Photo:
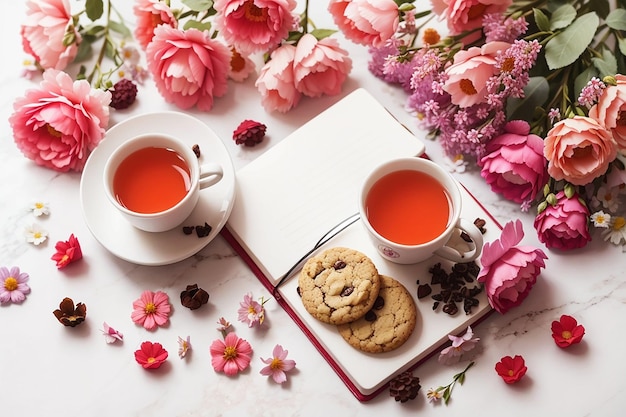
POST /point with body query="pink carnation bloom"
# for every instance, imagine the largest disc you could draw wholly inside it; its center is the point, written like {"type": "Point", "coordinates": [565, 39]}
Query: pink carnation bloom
{"type": "Point", "coordinates": [152, 309]}
{"type": "Point", "coordinates": [610, 111]}
{"type": "Point", "coordinates": [44, 31]}
{"type": "Point", "coordinates": [514, 165]}
{"type": "Point", "coordinates": [578, 150]}
{"type": "Point", "coordinates": [320, 67]}
{"type": "Point", "coordinates": [150, 14]}
{"type": "Point", "coordinates": [276, 81]}
{"type": "Point", "coordinates": [231, 355]}
{"type": "Point", "coordinates": [278, 365]}
{"type": "Point", "coordinates": [255, 25]}
{"type": "Point", "coordinates": [61, 122]}
{"type": "Point", "coordinates": [467, 77]}
{"type": "Point", "coordinates": [565, 224]}
{"type": "Point", "coordinates": [188, 67]}
{"type": "Point", "coordinates": [463, 15]}
{"type": "Point", "coordinates": [509, 271]}
{"type": "Point", "coordinates": [366, 22]}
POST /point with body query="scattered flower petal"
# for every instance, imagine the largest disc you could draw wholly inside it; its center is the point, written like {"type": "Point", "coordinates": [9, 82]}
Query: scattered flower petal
{"type": "Point", "coordinates": [184, 346]}
{"type": "Point", "coordinates": [231, 355]}
{"type": "Point", "coordinates": [511, 369]}
{"type": "Point", "coordinates": [151, 355]}
{"type": "Point", "coordinates": [152, 309]}
{"type": "Point", "coordinates": [40, 208]}
{"type": "Point", "coordinates": [460, 345]}
{"type": "Point", "coordinates": [251, 312]}
{"type": "Point", "coordinates": [68, 315]}
{"type": "Point", "coordinates": [110, 334]}
{"type": "Point", "coordinates": [278, 365]}
{"type": "Point", "coordinates": [67, 252]}
{"type": "Point", "coordinates": [13, 286]}
{"type": "Point", "coordinates": [566, 331]}
{"type": "Point", "coordinates": [35, 234]}
{"type": "Point", "coordinates": [224, 326]}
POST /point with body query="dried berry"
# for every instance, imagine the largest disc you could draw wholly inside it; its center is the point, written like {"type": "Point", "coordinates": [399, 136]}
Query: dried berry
{"type": "Point", "coordinates": [68, 315]}
{"type": "Point", "coordinates": [196, 150]}
{"type": "Point", "coordinates": [203, 231]}
{"type": "Point", "coordinates": [453, 287]}
{"type": "Point", "coordinates": [249, 133]}
{"type": "Point", "coordinates": [404, 387]}
{"type": "Point", "coordinates": [194, 297]}
{"type": "Point", "coordinates": [123, 94]}
{"type": "Point", "coordinates": [423, 290]}
{"type": "Point", "coordinates": [188, 230]}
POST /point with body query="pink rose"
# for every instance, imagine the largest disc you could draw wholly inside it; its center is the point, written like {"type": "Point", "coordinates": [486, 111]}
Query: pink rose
{"type": "Point", "coordinates": [464, 15]}
{"type": "Point", "coordinates": [578, 150]}
{"type": "Point", "coordinates": [514, 165]}
{"type": "Point", "coordinates": [468, 75]}
{"type": "Point", "coordinates": [610, 110]}
{"type": "Point", "coordinates": [366, 22]}
{"type": "Point", "coordinates": [564, 225]}
{"type": "Point", "coordinates": [276, 81]}
{"type": "Point", "coordinates": [188, 67]}
{"type": "Point", "coordinates": [44, 31]}
{"type": "Point", "coordinates": [255, 25]}
{"type": "Point", "coordinates": [61, 122]}
{"type": "Point", "coordinates": [150, 14]}
{"type": "Point", "coordinates": [320, 67]}
{"type": "Point", "coordinates": [508, 271]}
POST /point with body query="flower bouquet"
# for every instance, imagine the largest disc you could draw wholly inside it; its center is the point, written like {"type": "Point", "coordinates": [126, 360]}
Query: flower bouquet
{"type": "Point", "coordinates": [530, 92]}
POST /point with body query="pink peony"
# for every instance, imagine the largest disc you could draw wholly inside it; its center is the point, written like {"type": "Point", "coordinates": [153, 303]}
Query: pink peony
{"type": "Point", "coordinates": [468, 75]}
{"type": "Point", "coordinates": [47, 24]}
{"type": "Point", "coordinates": [320, 67]}
{"type": "Point", "coordinates": [610, 111]}
{"type": "Point", "coordinates": [61, 122]}
{"type": "Point", "coordinates": [463, 15]}
{"type": "Point", "coordinates": [514, 165]}
{"type": "Point", "coordinates": [189, 68]}
{"type": "Point", "coordinates": [578, 150]}
{"type": "Point", "coordinates": [255, 25]}
{"type": "Point", "coordinates": [366, 22]}
{"type": "Point", "coordinates": [150, 14]}
{"type": "Point", "coordinates": [276, 81]}
{"type": "Point", "coordinates": [508, 271]}
{"type": "Point", "coordinates": [564, 225]}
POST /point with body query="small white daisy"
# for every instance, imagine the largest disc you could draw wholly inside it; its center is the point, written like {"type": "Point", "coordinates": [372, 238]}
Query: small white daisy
{"type": "Point", "coordinates": [616, 234]}
{"type": "Point", "coordinates": [40, 208]}
{"type": "Point", "coordinates": [35, 234]}
{"type": "Point", "coordinates": [601, 219]}
{"type": "Point", "coordinates": [608, 197]}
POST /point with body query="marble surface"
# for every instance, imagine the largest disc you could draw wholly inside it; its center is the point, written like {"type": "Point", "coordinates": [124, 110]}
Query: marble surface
{"type": "Point", "coordinates": [48, 369]}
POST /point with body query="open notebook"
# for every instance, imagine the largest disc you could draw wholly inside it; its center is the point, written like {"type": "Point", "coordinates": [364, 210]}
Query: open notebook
{"type": "Point", "coordinates": [296, 194]}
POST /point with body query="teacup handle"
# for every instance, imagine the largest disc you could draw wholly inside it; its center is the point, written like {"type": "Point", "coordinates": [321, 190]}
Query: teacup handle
{"type": "Point", "coordinates": [454, 255]}
{"type": "Point", "coordinates": [210, 174]}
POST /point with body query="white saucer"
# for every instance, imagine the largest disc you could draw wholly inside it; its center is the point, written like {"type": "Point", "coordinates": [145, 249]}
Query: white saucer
{"type": "Point", "coordinates": [145, 248]}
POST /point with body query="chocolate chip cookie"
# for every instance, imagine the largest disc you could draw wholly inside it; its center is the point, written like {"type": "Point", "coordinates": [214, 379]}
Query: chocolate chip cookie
{"type": "Point", "coordinates": [339, 285]}
{"type": "Point", "coordinates": [388, 324]}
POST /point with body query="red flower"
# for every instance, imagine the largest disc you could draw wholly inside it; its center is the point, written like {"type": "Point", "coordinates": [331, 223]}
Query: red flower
{"type": "Point", "coordinates": [511, 369]}
{"type": "Point", "coordinates": [67, 252]}
{"type": "Point", "coordinates": [249, 133]}
{"type": "Point", "coordinates": [567, 331]}
{"type": "Point", "coordinates": [150, 355]}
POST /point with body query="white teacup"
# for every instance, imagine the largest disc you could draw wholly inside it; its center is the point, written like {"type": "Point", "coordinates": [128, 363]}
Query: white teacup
{"type": "Point", "coordinates": [159, 178]}
{"type": "Point", "coordinates": [411, 210]}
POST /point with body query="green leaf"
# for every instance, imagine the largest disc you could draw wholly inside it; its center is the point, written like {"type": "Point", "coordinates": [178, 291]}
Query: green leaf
{"type": "Point", "coordinates": [622, 46]}
{"type": "Point", "coordinates": [535, 95]}
{"type": "Point", "coordinates": [617, 19]}
{"type": "Point", "coordinates": [94, 9]}
{"type": "Point", "coordinates": [322, 33]}
{"type": "Point", "coordinates": [198, 5]}
{"type": "Point", "coordinates": [120, 28]}
{"type": "Point", "coordinates": [542, 21]}
{"type": "Point", "coordinates": [607, 65]}
{"type": "Point", "coordinates": [567, 46]}
{"type": "Point", "coordinates": [84, 53]}
{"type": "Point", "coordinates": [197, 25]}
{"type": "Point", "coordinates": [461, 378]}
{"type": "Point", "coordinates": [562, 17]}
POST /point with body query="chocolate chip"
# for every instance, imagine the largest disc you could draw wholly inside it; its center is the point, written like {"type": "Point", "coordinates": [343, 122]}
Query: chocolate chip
{"type": "Point", "coordinates": [379, 303]}
{"type": "Point", "coordinates": [196, 150]}
{"type": "Point", "coordinates": [339, 265]}
{"type": "Point", "coordinates": [299, 292]}
{"type": "Point", "coordinates": [423, 290]}
{"type": "Point", "coordinates": [480, 224]}
{"type": "Point", "coordinates": [347, 291]}
{"type": "Point", "coordinates": [370, 316]}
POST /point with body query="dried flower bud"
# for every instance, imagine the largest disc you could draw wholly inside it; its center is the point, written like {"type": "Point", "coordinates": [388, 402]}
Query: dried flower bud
{"type": "Point", "coordinates": [249, 133]}
{"type": "Point", "coordinates": [404, 387]}
{"type": "Point", "coordinates": [68, 315]}
{"type": "Point", "coordinates": [123, 94]}
{"type": "Point", "coordinates": [193, 297]}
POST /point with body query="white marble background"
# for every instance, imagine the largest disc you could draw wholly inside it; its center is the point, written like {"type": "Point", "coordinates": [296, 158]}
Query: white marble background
{"type": "Point", "coordinates": [49, 370]}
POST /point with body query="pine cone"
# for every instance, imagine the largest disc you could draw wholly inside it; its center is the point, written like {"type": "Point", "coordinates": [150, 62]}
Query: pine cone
{"type": "Point", "coordinates": [123, 94]}
{"type": "Point", "coordinates": [404, 387]}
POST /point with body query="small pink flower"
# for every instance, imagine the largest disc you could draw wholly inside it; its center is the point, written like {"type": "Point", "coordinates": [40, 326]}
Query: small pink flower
{"type": "Point", "coordinates": [241, 66]}
{"type": "Point", "coordinates": [67, 252]}
{"type": "Point", "coordinates": [152, 309]}
{"type": "Point", "coordinates": [13, 285]}
{"type": "Point", "coordinates": [366, 22]}
{"type": "Point", "coordinates": [251, 312]}
{"type": "Point", "coordinates": [320, 66]}
{"type": "Point", "coordinates": [460, 345]}
{"type": "Point", "coordinates": [276, 81]}
{"type": "Point", "coordinates": [110, 334]}
{"type": "Point", "coordinates": [611, 108]}
{"type": "Point", "coordinates": [255, 25]}
{"type": "Point", "coordinates": [278, 365]}
{"type": "Point", "coordinates": [579, 150]}
{"type": "Point", "coordinates": [231, 355]}
{"type": "Point", "coordinates": [188, 67]}
{"type": "Point", "coordinates": [509, 271]}
{"type": "Point", "coordinates": [150, 14]}
{"type": "Point", "coordinates": [566, 331]}
{"type": "Point", "coordinates": [564, 225]}
{"type": "Point", "coordinates": [514, 165]}
{"type": "Point", "coordinates": [184, 346]}
{"type": "Point", "coordinates": [61, 122]}
{"type": "Point", "coordinates": [464, 15]}
{"type": "Point", "coordinates": [151, 355]}
{"type": "Point", "coordinates": [48, 24]}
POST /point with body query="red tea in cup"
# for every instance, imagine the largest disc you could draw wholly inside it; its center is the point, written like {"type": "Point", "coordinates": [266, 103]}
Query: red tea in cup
{"type": "Point", "coordinates": [408, 207]}
{"type": "Point", "coordinates": [151, 180]}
